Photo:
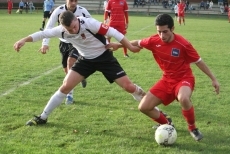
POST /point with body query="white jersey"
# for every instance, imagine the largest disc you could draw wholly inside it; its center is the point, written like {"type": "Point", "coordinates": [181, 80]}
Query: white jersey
{"type": "Point", "coordinates": [176, 9]}
{"type": "Point", "coordinates": [79, 11]}
{"type": "Point", "coordinates": [90, 41]}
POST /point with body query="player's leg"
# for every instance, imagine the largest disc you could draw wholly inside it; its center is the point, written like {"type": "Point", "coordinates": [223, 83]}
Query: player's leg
{"type": "Point", "coordinates": [179, 19]}
{"type": "Point", "coordinates": [70, 81]}
{"type": "Point", "coordinates": [155, 96]}
{"type": "Point", "coordinates": [183, 19]}
{"type": "Point", "coordinates": [45, 15]}
{"type": "Point", "coordinates": [184, 97]}
{"type": "Point", "coordinates": [73, 56]}
{"type": "Point", "coordinates": [148, 102]}
{"type": "Point", "coordinates": [117, 74]}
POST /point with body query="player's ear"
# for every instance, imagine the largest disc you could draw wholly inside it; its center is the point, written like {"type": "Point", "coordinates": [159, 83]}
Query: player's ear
{"type": "Point", "coordinates": [172, 29]}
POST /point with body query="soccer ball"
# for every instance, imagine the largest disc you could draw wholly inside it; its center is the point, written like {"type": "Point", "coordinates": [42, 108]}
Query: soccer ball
{"type": "Point", "coordinates": [165, 135]}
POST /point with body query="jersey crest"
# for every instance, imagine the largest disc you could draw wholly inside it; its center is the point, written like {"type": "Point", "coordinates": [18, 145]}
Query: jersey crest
{"type": "Point", "coordinates": [175, 52]}
{"type": "Point", "coordinates": [83, 36]}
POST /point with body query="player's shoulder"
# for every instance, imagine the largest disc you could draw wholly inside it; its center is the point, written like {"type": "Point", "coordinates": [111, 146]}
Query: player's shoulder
{"type": "Point", "coordinates": [180, 39]}
{"type": "Point", "coordinates": [59, 9]}
{"type": "Point", "coordinates": [81, 7]}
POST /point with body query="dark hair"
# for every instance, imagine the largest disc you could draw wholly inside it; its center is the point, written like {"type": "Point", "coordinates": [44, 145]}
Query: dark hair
{"type": "Point", "coordinates": [164, 19]}
{"type": "Point", "coordinates": [66, 18]}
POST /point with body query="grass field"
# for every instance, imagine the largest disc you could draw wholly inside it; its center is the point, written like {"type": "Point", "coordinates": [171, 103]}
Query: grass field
{"type": "Point", "coordinates": [105, 119]}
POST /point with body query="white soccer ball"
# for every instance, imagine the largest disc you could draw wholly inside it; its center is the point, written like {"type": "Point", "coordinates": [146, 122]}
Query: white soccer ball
{"type": "Point", "coordinates": [165, 135]}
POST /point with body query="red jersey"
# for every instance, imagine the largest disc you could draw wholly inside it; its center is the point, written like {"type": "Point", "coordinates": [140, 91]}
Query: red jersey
{"type": "Point", "coordinates": [117, 9]}
{"type": "Point", "coordinates": [10, 4]}
{"type": "Point", "coordinates": [173, 58]}
{"type": "Point", "coordinates": [181, 7]}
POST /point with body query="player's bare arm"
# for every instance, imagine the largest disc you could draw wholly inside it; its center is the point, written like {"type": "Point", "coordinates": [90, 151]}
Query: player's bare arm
{"type": "Point", "coordinates": [21, 43]}
{"type": "Point", "coordinates": [123, 43]}
{"type": "Point", "coordinates": [203, 67]}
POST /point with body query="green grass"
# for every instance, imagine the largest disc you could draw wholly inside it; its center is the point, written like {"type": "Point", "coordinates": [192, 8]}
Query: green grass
{"type": "Point", "coordinates": [106, 118]}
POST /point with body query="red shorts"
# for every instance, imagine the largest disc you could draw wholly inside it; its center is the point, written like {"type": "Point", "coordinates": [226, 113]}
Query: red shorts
{"type": "Point", "coordinates": [120, 28]}
{"type": "Point", "coordinates": [180, 14]}
{"type": "Point", "coordinates": [167, 91]}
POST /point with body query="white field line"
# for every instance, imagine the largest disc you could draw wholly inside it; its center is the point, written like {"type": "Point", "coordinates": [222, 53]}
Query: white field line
{"type": "Point", "coordinates": [29, 81]}
{"type": "Point", "coordinates": [50, 71]}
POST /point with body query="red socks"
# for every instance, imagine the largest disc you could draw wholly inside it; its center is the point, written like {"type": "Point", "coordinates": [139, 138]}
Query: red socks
{"type": "Point", "coordinates": [161, 119]}
{"type": "Point", "coordinates": [189, 116]}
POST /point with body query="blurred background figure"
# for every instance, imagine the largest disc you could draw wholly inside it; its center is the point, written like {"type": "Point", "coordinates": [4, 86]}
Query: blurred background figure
{"type": "Point", "coordinates": [21, 6]}
{"type": "Point", "coordinates": [211, 5]}
{"type": "Point", "coordinates": [48, 8]}
{"type": "Point", "coordinates": [9, 6]}
{"type": "Point", "coordinates": [31, 6]}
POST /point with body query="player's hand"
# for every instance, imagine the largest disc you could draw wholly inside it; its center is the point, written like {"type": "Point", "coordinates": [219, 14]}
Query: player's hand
{"type": "Point", "coordinates": [126, 26]}
{"type": "Point", "coordinates": [44, 49]}
{"type": "Point", "coordinates": [18, 45]}
{"type": "Point", "coordinates": [113, 46]}
{"type": "Point", "coordinates": [216, 85]}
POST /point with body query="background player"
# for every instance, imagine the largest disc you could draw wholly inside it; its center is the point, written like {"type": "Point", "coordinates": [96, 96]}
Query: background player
{"type": "Point", "coordinates": [119, 19]}
{"type": "Point", "coordinates": [68, 52]}
{"type": "Point", "coordinates": [48, 8]}
{"type": "Point", "coordinates": [181, 12]}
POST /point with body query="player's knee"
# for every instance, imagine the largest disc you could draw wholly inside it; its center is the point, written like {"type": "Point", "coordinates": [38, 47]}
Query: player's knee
{"type": "Point", "coordinates": [185, 101]}
{"type": "Point", "coordinates": [143, 107]}
{"type": "Point", "coordinates": [65, 88]}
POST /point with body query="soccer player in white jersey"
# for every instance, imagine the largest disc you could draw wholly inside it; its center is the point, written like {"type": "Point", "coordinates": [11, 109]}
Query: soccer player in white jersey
{"type": "Point", "coordinates": [88, 36]}
{"type": "Point", "coordinates": [68, 52]}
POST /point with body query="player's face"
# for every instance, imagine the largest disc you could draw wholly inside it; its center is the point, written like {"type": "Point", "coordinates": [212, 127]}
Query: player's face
{"type": "Point", "coordinates": [71, 4]}
{"type": "Point", "coordinates": [165, 33]}
{"type": "Point", "coordinates": [74, 27]}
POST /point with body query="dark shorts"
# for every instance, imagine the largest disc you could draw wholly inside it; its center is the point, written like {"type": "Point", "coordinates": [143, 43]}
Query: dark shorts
{"type": "Point", "coordinates": [176, 14]}
{"type": "Point", "coordinates": [46, 14]}
{"type": "Point", "coordinates": [21, 7]}
{"type": "Point", "coordinates": [67, 50]}
{"type": "Point", "coordinates": [106, 63]}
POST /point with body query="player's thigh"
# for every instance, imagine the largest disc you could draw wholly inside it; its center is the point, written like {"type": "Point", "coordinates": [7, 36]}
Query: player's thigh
{"type": "Point", "coordinates": [149, 101]}
{"type": "Point", "coordinates": [163, 91]}
{"type": "Point", "coordinates": [70, 81]}
{"type": "Point", "coordinates": [184, 90]}
{"type": "Point", "coordinates": [110, 67]}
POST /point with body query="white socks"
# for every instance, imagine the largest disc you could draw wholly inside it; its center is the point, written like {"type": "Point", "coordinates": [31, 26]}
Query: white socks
{"type": "Point", "coordinates": [54, 101]}
{"type": "Point", "coordinates": [138, 93]}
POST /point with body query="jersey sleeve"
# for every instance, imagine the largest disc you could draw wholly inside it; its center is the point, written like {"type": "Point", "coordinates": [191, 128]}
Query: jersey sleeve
{"type": "Point", "coordinates": [47, 33]}
{"type": "Point", "coordinates": [145, 43]}
{"type": "Point", "coordinates": [192, 55]}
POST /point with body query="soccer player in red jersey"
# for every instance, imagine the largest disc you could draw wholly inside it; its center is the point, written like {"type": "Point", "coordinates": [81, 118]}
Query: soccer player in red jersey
{"type": "Point", "coordinates": [119, 20]}
{"type": "Point", "coordinates": [181, 10]}
{"type": "Point", "coordinates": [174, 54]}
{"type": "Point", "coordinates": [9, 6]}
{"type": "Point", "coordinates": [229, 14]}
